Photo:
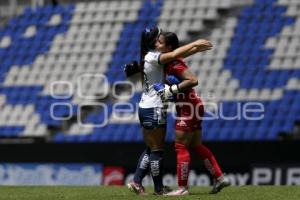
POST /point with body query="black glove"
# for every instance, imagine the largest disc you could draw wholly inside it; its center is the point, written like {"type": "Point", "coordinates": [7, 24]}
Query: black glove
{"type": "Point", "coordinates": [131, 68]}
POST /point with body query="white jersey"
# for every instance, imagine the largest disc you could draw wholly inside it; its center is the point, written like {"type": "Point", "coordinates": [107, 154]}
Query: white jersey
{"type": "Point", "coordinates": [153, 73]}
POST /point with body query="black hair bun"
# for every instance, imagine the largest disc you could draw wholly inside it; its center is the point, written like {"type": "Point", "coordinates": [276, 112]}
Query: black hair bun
{"type": "Point", "coordinates": [149, 37]}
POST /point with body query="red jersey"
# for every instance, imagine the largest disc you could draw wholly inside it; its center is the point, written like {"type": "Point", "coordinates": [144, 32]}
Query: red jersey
{"type": "Point", "coordinates": [189, 106]}
{"type": "Point", "coordinates": [176, 68]}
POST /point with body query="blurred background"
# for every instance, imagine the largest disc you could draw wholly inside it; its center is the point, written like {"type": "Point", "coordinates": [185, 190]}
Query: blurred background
{"type": "Point", "coordinates": [68, 115]}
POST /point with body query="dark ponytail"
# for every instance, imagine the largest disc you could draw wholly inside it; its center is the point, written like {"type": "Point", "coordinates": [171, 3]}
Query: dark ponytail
{"type": "Point", "coordinates": [148, 39]}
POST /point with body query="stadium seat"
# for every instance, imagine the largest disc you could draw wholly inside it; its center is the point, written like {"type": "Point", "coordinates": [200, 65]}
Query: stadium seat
{"type": "Point", "coordinates": [254, 59]}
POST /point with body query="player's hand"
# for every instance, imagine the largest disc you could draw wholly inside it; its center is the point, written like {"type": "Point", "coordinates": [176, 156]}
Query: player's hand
{"type": "Point", "coordinates": [203, 44]}
{"type": "Point", "coordinates": [165, 91]}
{"type": "Point", "coordinates": [173, 80]}
{"type": "Point", "coordinates": [131, 68]}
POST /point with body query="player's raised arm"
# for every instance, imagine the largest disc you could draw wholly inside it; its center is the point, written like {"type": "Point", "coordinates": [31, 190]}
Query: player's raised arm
{"type": "Point", "coordinates": [195, 50]}
{"type": "Point", "coordinates": [185, 51]}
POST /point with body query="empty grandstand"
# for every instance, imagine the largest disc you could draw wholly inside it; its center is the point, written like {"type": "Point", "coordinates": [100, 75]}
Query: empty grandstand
{"type": "Point", "coordinates": [255, 59]}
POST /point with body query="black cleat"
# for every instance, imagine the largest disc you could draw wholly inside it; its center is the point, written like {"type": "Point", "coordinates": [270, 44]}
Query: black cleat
{"type": "Point", "coordinates": [219, 184]}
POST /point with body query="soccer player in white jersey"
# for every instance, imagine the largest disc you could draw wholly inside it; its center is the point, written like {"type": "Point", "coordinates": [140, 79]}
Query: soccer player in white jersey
{"type": "Point", "coordinates": [152, 114]}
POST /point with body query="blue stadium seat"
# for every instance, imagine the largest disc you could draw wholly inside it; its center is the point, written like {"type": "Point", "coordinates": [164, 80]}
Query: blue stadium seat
{"type": "Point", "coordinates": [247, 59]}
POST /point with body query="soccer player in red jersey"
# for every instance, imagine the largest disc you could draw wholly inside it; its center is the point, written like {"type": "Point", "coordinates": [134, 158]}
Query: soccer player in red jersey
{"type": "Point", "coordinates": [190, 111]}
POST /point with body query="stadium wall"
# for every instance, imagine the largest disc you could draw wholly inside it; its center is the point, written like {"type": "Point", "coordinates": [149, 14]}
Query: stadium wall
{"type": "Point", "coordinates": [257, 163]}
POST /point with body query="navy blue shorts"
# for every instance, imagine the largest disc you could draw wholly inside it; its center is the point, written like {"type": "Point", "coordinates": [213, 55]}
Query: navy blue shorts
{"type": "Point", "coordinates": [151, 118]}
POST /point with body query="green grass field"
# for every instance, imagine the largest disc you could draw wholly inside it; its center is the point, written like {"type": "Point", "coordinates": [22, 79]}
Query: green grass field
{"type": "Point", "coordinates": [121, 193]}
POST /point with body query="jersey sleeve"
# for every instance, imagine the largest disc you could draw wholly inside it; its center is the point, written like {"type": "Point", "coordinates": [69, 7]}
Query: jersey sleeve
{"type": "Point", "coordinates": [178, 68]}
{"type": "Point", "coordinates": [153, 58]}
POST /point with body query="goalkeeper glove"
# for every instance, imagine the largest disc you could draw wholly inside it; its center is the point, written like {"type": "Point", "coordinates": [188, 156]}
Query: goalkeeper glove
{"type": "Point", "coordinates": [165, 91]}
{"type": "Point", "coordinates": [131, 68]}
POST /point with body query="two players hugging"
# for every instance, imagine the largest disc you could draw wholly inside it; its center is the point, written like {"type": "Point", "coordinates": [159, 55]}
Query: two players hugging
{"type": "Point", "coordinates": [166, 91]}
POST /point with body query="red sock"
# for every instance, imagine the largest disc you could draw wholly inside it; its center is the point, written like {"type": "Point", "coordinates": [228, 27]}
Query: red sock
{"type": "Point", "coordinates": [183, 164]}
{"type": "Point", "coordinates": [209, 160]}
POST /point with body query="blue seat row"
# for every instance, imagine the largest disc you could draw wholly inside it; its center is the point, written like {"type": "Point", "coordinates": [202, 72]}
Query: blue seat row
{"type": "Point", "coordinates": [10, 131]}
{"type": "Point", "coordinates": [247, 59]}
{"type": "Point", "coordinates": [111, 133]}
{"type": "Point", "coordinates": [48, 9]}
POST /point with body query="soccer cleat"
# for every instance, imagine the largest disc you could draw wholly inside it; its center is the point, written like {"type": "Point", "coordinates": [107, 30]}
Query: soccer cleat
{"type": "Point", "coordinates": [219, 184]}
{"type": "Point", "coordinates": [136, 188]}
{"type": "Point", "coordinates": [179, 192]}
{"type": "Point", "coordinates": [164, 192]}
